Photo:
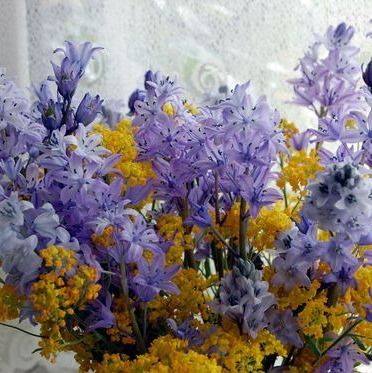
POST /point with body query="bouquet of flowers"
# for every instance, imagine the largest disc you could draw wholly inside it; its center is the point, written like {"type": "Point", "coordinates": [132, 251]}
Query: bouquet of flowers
{"type": "Point", "coordinates": [185, 238]}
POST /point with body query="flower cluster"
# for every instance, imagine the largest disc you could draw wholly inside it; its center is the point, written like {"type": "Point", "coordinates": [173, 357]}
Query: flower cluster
{"type": "Point", "coordinates": [213, 238]}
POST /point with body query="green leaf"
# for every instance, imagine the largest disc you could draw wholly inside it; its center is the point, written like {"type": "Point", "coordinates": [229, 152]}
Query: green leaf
{"type": "Point", "coordinates": [311, 343]}
{"type": "Point", "coordinates": [358, 342]}
{"type": "Point", "coordinates": [36, 350]}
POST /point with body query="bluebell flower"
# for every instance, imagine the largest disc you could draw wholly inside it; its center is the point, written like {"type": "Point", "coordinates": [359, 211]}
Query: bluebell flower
{"type": "Point", "coordinates": [290, 272]}
{"type": "Point", "coordinates": [87, 145]}
{"type": "Point", "coordinates": [139, 236]}
{"type": "Point", "coordinates": [338, 253]}
{"type": "Point", "coordinates": [187, 332]}
{"type": "Point", "coordinates": [343, 278]}
{"type": "Point", "coordinates": [72, 68]}
{"type": "Point", "coordinates": [284, 326]}
{"type": "Point", "coordinates": [343, 357]}
{"type": "Point", "coordinates": [154, 277]}
{"type": "Point", "coordinates": [88, 109]}
{"type": "Point", "coordinates": [100, 315]}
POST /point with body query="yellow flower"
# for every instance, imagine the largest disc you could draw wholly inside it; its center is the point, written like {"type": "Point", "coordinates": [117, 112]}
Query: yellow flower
{"type": "Point", "coordinates": [56, 295]}
{"type": "Point", "coordinates": [265, 228]}
{"type": "Point", "coordinates": [121, 141]}
{"type": "Point", "coordinates": [191, 108]}
{"type": "Point", "coordinates": [59, 258]}
{"type": "Point", "coordinates": [239, 353]}
{"type": "Point", "coordinates": [300, 169]}
{"type": "Point", "coordinates": [295, 297]}
{"type": "Point", "coordinates": [289, 130]}
{"type": "Point", "coordinates": [105, 239]}
{"type": "Point", "coordinates": [171, 229]}
{"type": "Point", "coordinates": [313, 318]}
{"type": "Point", "coordinates": [192, 300]}
{"type": "Point", "coordinates": [10, 303]}
{"type": "Point", "coordinates": [168, 109]}
{"type": "Point", "coordinates": [361, 296]}
{"type": "Point", "coordinates": [166, 354]}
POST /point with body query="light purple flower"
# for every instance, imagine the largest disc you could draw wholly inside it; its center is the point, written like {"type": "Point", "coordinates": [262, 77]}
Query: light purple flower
{"type": "Point", "coordinates": [154, 277]}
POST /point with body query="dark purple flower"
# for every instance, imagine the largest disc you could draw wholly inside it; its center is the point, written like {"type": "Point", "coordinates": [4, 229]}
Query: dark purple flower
{"type": "Point", "coordinates": [367, 75]}
{"type": "Point", "coordinates": [100, 315]}
{"type": "Point", "coordinates": [344, 278]}
{"type": "Point", "coordinates": [187, 332]}
{"type": "Point", "coordinates": [88, 109]}
{"type": "Point", "coordinates": [137, 95]}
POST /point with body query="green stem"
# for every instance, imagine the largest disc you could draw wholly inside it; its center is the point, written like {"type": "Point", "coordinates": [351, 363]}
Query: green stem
{"type": "Point", "coordinates": [242, 228]}
{"type": "Point", "coordinates": [337, 340]}
{"type": "Point", "coordinates": [284, 190]}
{"type": "Point", "coordinates": [136, 329]}
{"type": "Point", "coordinates": [22, 330]}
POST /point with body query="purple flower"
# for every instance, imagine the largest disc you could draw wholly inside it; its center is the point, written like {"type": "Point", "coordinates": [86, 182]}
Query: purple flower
{"type": "Point", "coordinates": [137, 95]}
{"type": "Point", "coordinates": [100, 315]}
{"type": "Point", "coordinates": [71, 70]}
{"type": "Point", "coordinates": [338, 253]}
{"type": "Point", "coordinates": [290, 272]}
{"type": "Point", "coordinates": [87, 146]}
{"type": "Point", "coordinates": [154, 277]}
{"type": "Point", "coordinates": [253, 188]}
{"type": "Point", "coordinates": [49, 109]}
{"type": "Point", "coordinates": [367, 75]}
{"type": "Point", "coordinates": [339, 37]}
{"type": "Point", "coordinates": [244, 298]}
{"type": "Point", "coordinates": [340, 200]}
{"type": "Point", "coordinates": [199, 215]}
{"type": "Point", "coordinates": [343, 357]}
{"type": "Point", "coordinates": [187, 332]}
{"type": "Point", "coordinates": [344, 278]}
{"type": "Point", "coordinates": [284, 326]}
{"type": "Point", "coordinates": [139, 236]}
{"type": "Point", "coordinates": [88, 109]}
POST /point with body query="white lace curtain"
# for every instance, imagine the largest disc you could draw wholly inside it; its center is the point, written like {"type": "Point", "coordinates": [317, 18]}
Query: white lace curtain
{"type": "Point", "coordinates": [208, 43]}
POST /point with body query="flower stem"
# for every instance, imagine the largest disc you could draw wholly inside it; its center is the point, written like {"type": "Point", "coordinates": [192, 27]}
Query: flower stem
{"type": "Point", "coordinates": [242, 228]}
{"type": "Point", "coordinates": [337, 340]}
{"type": "Point", "coordinates": [22, 330]}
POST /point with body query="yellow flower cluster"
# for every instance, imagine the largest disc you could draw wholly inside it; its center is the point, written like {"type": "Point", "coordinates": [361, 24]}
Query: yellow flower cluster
{"type": "Point", "coordinates": [300, 169]}
{"type": "Point", "coordinates": [121, 141]}
{"type": "Point", "coordinates": [170, 228]}
{"type": "Point", "coordinates": [313, 318]}
{"type": "Point", "coordinates": [122, 331]}
{"type": "Point", "coordinates": [192, 300]}
{"type": "Point", "coordinates": [166, 355]}
{"type": "Point", "coordinates": [59, 258]}
{"type": "Point", "coordinates": [105, 239]}
{"type": "Point", "coordinates": [55, 295]}
{"type": "Point", "coordinates": [361, 296]}
{"type": "Point", "coordinates": [295, 297]}
{"type": "Point", "coordinates": [237, 353]}
{"type": "Point", "coordinates": [265, 228]}
{"type": "Point", "coordinates": [289, 130]}
{"type": "Point", "coordinates": [230, 226]}
{"type": "Point", "coordinates": [10, 303]}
